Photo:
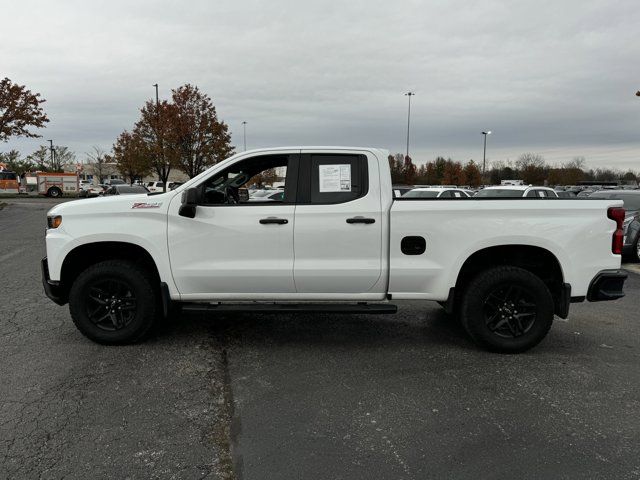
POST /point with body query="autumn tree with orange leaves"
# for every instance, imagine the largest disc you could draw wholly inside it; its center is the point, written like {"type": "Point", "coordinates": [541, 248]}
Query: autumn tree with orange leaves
{"type": "Point", "coordinates": [20, 110]}
{"type": "Point", "coordinates": [132, 157]}
{"type": "Point", "coordinates": [184, 133]}
{"type": "Point", "coordinates": [156, 129]}
{"type": "Point", "coordinates": [201, 139]}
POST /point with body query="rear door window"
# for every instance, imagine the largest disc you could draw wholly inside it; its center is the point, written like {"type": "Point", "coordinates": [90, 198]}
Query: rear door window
{"type": "Point", "coordinates": [333, 178]}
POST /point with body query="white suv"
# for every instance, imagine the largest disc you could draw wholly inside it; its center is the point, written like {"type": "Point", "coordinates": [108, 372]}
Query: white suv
{"type": "Point", "coordinates": [512, 191]}
{"type": "Point", "coordinates": [155, 186]}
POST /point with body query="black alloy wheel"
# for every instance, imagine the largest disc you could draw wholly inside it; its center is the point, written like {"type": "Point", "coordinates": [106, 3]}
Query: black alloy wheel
{"type": "Point", "coordinates": [111, 304]}
{"type": "Point", "coordinates": [509, 311]}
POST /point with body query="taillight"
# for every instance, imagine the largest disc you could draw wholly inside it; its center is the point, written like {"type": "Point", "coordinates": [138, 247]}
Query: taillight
{"type": "Point", "coordinates": [617, 242]}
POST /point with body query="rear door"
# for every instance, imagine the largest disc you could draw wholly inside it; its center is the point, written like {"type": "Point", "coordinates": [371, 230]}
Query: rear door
{"type": "Point", "coordinates": [338, 224]}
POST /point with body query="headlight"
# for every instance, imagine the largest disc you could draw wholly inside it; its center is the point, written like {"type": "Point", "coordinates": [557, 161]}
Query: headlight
{"type": "Point", "coordinates": [54, 221]}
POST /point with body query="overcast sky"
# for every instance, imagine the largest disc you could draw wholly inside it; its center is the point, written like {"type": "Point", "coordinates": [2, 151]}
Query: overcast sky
{"type": "Point", "coordinates": [551, 77]}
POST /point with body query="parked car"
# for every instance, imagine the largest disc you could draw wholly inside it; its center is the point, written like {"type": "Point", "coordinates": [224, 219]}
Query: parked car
{"type": "Point", "coordinates": [260, 193]}
{"type": "Point", "coordinates": [84, 185]}
{"type": "Point", "coordinates": [174, 185]}
{"type": "Point", "coordinates": [436, 192]}
{"type": "Point", "coordinates": [631, 225]}
{"type": "Point", "coordinates": [155, 187]}
{"type": "Point", "coordinates": [399, 190]}
{"type": "Point", "coordinates": [125, 190]}
{"type": "Point", "coordinates": [97, 190]}
{"type": "Point", "coordinates": [114, 181]}
{"type": "Point", "coordinates": [271, 196]}
{"type": "Point", "coordinates": [565, 194]}
{"type": "Point", "coordinates": [517, 191]}
{"type": "Point", "coordinates": [357, 249]}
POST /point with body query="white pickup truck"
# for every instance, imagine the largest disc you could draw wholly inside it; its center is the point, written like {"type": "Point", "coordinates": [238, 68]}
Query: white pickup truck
{"type": "Point", "coordinates": [337, 242]}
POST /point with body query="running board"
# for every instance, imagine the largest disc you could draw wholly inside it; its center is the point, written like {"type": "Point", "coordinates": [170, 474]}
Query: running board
{"type": "Point", "coordinates": [292, 307]}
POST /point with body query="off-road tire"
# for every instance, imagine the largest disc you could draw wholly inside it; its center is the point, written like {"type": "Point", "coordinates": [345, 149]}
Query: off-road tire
{"type": "Point", "coordinates": [477, 309]}
{"type": "Point", "coordinates": [132, 277]}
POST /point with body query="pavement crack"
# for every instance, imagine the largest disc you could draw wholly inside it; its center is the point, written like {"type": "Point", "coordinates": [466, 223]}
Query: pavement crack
{"type": "Point", "coordinates": [225, 429]}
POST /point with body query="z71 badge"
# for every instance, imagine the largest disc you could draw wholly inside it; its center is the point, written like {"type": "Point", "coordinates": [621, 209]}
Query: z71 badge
{"type": "Point", "coordinates": [146, 205]}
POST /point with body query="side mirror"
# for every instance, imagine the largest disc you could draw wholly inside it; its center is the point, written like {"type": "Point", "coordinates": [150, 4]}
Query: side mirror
{"type": "Point", "coordinates": [190, 200]}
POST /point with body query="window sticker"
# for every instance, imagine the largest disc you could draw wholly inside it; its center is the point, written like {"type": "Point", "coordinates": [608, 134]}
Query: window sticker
{"type": "Point", "coordinates": [335, 178]}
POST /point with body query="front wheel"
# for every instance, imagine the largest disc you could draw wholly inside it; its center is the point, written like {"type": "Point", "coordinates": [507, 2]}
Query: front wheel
{"type": "Point", "coordinates": [507, 309]}
{"type": "Point", "coordinates": [113, 302]}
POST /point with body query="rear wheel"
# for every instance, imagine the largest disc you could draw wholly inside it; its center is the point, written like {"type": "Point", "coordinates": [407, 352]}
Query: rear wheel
{"type": "Point", "coordinates": [54, 192]}
{"type": "Point", "coordinates": [636, 250]}
{"type": "Point", "coordinates": [113, 302]}
{"type": "Point", "coordinates": [507, 309]}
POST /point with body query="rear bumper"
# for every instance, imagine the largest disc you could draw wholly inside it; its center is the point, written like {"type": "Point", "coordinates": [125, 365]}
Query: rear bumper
{"type": "Point", "coordinates": [607, 285]}
{"type": "Point", "coordinates": [52, 289]}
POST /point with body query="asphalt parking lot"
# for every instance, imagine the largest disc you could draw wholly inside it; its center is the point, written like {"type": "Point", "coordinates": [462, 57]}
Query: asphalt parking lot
{"type": "Point", "coordinates": [308, 396]}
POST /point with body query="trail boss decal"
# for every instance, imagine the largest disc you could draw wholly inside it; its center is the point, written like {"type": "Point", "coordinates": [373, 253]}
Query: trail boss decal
{"type": "Point", "coordinates": [146, 205]}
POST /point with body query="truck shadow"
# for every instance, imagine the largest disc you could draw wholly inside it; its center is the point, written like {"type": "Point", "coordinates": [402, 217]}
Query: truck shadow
{"type": "Point", "coordinates": [427, 327]}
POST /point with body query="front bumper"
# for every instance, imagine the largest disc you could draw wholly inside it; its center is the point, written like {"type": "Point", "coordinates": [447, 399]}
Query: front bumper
{"type": "Point", "coordinates": [52, 289]}
{"type": "Point", "coordinates": [607, 285]}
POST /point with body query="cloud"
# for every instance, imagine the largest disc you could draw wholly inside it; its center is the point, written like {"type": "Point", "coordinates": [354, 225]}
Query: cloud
{"type": "Point", "coordinates": [552, 77]}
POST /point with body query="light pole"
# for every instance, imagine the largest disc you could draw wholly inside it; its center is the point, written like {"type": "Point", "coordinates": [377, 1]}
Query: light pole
{"type": "Point", "coordinates": [165, 169]}
{"type": "Point", "coordinates": [51, 152]}
{"type": "Point", "coordinates": [484, 153]}
{"type": "Point", "coordinates": [244, 134]}
{"type": "Point", "coordinates": [408, 94]}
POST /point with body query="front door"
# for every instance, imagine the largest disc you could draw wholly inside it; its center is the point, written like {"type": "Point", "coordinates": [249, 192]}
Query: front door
{"type": "Point", "coordinates": [240, 243]}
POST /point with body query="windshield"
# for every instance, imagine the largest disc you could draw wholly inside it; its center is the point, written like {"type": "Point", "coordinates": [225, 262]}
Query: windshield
{"type": "Point", "coordinates": [631, 200]}
{"type": "Point", "coordinates": [421, 194]}
{"type": "Point", "coordinates": [499, 192]}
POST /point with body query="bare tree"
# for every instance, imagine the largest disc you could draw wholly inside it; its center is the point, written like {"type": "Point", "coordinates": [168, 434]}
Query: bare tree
{"type": "Point", "coordinates": [62, 157]}
{"type": "Point", "coordinates": [578, 163]}
{"type": "Point", "coordinates": [97, 161]}
{"type": "Point", "coordinates": [528, 160]}
{"type": "Point", "coordinates": [40, 158]}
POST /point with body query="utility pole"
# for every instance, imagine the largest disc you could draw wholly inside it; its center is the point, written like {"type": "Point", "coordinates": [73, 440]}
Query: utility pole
{"type": "Point", "coordinates": [484, 153]}
{"type": "Point", "coordinates": [244, 132]}
{"type": "Point", "coordinates": [408, 94]}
